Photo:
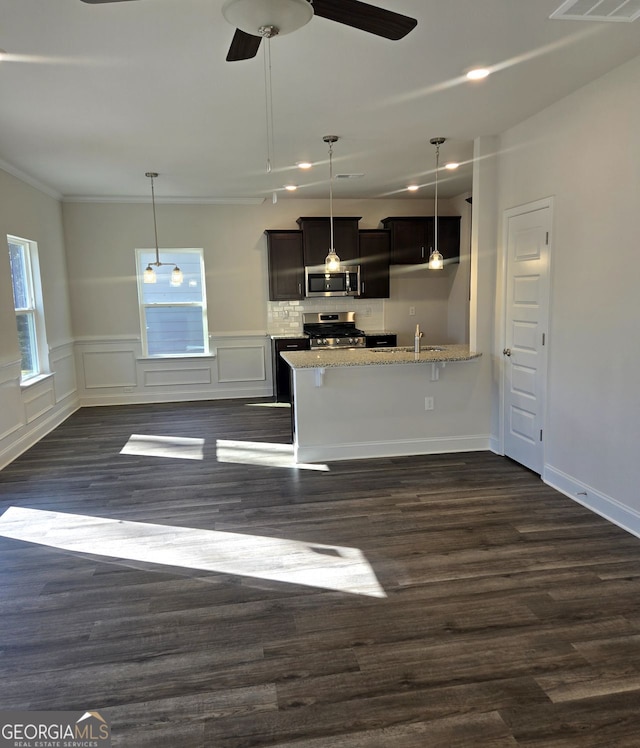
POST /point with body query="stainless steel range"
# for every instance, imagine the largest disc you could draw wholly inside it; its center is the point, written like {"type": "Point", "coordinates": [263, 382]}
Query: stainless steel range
{"type": "Point", "coordinates": [333, 330]}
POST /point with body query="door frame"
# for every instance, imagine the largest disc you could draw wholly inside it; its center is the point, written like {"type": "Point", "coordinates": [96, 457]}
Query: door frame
{"type": "Point", "coordinates": [508, 213]}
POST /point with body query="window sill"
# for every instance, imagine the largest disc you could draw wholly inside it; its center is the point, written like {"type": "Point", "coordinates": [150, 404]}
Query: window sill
{"type": "Point", "coordinates": [34, 380]}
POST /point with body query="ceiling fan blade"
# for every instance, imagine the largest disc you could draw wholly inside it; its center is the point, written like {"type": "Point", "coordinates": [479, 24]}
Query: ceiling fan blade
{"type": "Point", "coordinates": [243, 46]}
{"type": "Point", "coordinates": [365, 17]}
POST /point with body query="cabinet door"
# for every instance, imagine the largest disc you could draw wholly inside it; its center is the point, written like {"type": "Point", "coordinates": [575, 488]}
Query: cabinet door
{"type": "Point", "coordinates": [282, 370]}
{"type": "Point", "coordinates": [286, 265]}
{"type": "Point", "coordinates": [413, 238]}
{"type": "Point", "coordinates": [409, 240]}
{"type": "Point", "coordinates": [316, 237]}
{"type": "Point", "coordinates": [374, 263]}
{"type": "Point", "coordinates": [449, 238]}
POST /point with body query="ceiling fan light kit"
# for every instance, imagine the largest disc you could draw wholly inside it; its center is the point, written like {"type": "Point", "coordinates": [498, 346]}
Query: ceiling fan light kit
{"type": "Point", "coordinates": [282, 16]}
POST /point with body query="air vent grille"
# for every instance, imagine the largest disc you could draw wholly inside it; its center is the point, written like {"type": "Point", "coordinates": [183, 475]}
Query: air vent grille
{"type": "Point", "coordinates": [349, 176]}
{"type": "Point", "coordinates": [598, 10]}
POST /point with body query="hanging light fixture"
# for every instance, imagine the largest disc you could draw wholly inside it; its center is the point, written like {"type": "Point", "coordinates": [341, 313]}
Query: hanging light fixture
{"type": "Point", "coordinates": [436, 261]}
{"type": "Point", "coordinates": [332, 261]}
{"type": "Point", "coordinates": [149, 273]}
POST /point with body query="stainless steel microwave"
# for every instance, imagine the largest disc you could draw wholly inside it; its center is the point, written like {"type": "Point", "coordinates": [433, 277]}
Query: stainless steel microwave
{"type": "Point", "coordinates": [319, 282]}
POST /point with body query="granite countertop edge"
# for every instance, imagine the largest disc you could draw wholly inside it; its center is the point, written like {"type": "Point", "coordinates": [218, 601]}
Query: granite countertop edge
{"type": "Point", "coordinates": [326, 358]}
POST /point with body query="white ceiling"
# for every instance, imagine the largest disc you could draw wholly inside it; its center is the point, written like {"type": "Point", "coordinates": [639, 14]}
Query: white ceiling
{"type": "Point", "coordinates": [94, 96]}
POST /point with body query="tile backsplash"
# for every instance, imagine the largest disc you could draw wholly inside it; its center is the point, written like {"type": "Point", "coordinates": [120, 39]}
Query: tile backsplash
{"type": "Point", "coordinates": [285, 317]}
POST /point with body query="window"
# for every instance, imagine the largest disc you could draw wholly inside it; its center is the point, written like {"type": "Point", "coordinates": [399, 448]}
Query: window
{"type": "Point", "coordinates": [173, 319]}
{"type": "Point", "coordinates": [27, 298]}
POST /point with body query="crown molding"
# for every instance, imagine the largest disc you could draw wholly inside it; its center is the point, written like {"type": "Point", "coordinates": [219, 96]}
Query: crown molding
{"type": "Point", "coordinates": [28, 179]}
{"type": "Point", "coordinates": [164, 200]}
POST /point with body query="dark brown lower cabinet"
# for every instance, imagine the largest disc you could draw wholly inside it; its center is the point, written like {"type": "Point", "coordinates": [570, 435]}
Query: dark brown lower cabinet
{"type": "Point", "coordinates": [381, 341]}
{"type": "Point", "coordinates": [281, 369]}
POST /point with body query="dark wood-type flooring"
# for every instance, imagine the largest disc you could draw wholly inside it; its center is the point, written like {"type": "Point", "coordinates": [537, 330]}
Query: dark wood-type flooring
{"type": "Point", "coordinates": [512, 616]}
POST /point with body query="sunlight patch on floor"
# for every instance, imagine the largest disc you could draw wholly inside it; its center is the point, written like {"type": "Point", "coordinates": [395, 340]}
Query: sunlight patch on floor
{"type": "Point", "coordinates": [176, 447]}
{"type": "Point", "coordinates": [295, 562]}
{"type": "Point", "coordinates": [262, 453]}
{"type": "Point", "coordinates": [268, 405]}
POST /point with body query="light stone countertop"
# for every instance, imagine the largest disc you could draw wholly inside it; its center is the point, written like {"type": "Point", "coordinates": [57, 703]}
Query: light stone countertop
{"type": "Point", "coordinates": [325, 358]}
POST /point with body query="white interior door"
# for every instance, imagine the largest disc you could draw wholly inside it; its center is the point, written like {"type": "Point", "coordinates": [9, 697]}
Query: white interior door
{"type": "Point", "coordinates": [528, 230]}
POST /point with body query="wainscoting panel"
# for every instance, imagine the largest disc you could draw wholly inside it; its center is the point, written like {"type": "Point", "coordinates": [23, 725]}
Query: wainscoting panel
{"type": "Point", "coordinates": [112, 371]}
{"type": "Point", "coordinates": [237, 364]}
{"type": "Point", "coordinates": [184, 377]}
{"type": "Point", "coordinates": [39, 399]}
{"type": "Point", "coordinates": [63, 367]}
{"type": "Point", "coordinates": [11, 411]}
{"type": "Point", "coordinates": [28, 413]}
{"type": "Point", "coordinates": [109, 369]}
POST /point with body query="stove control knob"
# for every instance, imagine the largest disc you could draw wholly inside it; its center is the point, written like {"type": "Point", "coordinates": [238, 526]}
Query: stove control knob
{"type": "Point", "coordinates": [324, 341]}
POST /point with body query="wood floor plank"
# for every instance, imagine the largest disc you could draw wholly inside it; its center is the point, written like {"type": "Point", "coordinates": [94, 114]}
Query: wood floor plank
{"type": "Point", "coordinates": [511, 615]}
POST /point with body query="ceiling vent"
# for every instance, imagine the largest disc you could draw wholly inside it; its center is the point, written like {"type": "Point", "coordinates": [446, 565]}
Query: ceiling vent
{"type": "Point", "coordinates": [598, 10]}
{"type": "Point", "coordinates": [349, 176]}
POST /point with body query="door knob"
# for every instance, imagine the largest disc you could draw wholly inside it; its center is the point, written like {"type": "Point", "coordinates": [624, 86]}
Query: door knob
{"type": "Point", "coordinates": [506, 351]}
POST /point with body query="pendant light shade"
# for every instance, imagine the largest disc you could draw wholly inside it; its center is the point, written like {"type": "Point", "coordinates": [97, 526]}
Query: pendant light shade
{"type": "Point", "coordinates": [332, 261]}
{"type": "Point", "coordinates": [436, 261]}
{"type": "Point", "coordinates": [149, 275]}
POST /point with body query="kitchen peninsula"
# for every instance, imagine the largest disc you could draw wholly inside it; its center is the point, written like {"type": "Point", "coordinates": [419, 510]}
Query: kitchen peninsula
{"type": "Point", "coordinates": [364, 403]}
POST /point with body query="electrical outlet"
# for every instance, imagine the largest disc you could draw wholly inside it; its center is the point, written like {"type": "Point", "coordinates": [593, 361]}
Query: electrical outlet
{"type": "Point", "coordinates": [429, 403]}
{"type": "Point", "coordinates": [412, 311]}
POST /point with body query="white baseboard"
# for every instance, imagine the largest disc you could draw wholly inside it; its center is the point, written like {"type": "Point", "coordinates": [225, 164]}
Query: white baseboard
{"type": "Point", "coordinates": [597, 502]}
{"type": "Point", "coordinates": [369, 450]}
{"type": "Point", "coordinates": [141, 398]}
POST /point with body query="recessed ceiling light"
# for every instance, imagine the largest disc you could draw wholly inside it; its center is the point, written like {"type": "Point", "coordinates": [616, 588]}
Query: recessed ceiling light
{"type": "Point", "coordinates": [304, 164]}
{"type": "Point", "coordinates": [3, 53]}
{"type": "Point", "coordinates": [452, 165]}
{"type": "Point", "coordinates": [477, 74]}
{"type": "Point", "coordinates": [291, 187]}
{"type": "Point", "coordinates": [413, 187]}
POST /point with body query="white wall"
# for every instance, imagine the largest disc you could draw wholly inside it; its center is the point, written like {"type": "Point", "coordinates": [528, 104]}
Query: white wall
{"type": "Point", "coordinates": [27, 413]}
{"type": "Point", "coordinates": [100, 242]}
{"type": "Point", "coordinates": [585, 152]}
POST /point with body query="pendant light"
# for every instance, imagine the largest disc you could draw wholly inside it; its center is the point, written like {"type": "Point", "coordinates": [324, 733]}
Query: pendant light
{"type": "Point", "coordinates": [332, 261]}
{"type": "Point", "coordinates": [149, 273]}
{"type": "Point", "coordinates": [436, 261]}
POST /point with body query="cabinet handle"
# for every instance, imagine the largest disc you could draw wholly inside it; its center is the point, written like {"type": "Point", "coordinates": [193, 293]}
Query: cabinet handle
{"type": "Point", "coordinates": [300, 289]}
{"type": "Point", "coordinates": [422, 252]}
{"type": "Point", "coordinates": [362, 284]}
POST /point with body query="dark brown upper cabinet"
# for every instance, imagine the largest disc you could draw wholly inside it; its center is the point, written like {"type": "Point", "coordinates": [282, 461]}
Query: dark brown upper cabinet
{"type": "Point", "coordinates": [286, 265]}
{"type": "Point", "coordinates": [374, 263]}
{"type": "Point", "coordinates": [316, 239]}
{"type": "Point", "coordinates": [412, 238]}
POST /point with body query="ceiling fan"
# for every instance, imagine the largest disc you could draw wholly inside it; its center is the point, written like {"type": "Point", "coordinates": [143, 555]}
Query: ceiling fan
{"type": "Point", "coordinates": [258, 19]}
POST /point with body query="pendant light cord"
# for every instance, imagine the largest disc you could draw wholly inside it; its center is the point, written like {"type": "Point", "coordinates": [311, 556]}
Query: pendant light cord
{"type": "Point", "coordinates": [332, 248]}
{"type": "Point", "coordinates": [155, 225]}
{"type": "Point", "coordinates": [268, 96]}
{"type": "Point", "coordinates": [436, 205]}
